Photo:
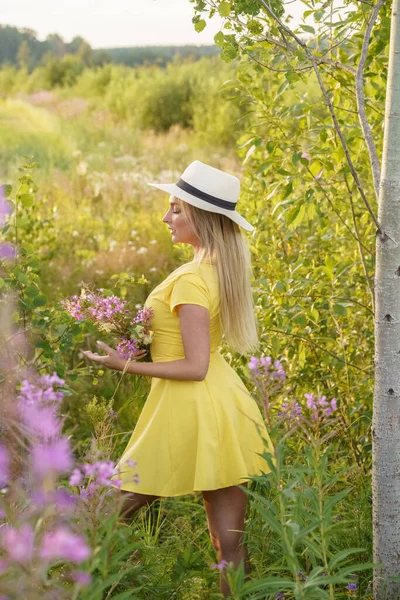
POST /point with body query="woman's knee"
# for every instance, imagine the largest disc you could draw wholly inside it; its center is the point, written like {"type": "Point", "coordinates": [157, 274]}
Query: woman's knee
{"type": "Point", "coordinates": [215, 541]}
{"type": "Point", "coordinates": [133, 502]}
{"type": "Point", "coordinates": [229, 543]}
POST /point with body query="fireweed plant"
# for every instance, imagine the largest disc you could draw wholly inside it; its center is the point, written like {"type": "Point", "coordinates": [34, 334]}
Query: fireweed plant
{"type": "Point", "coordinates": [57, 518]}
{"type": "Point", "coordinates": [109, 314]}
{"type": "Point", "coordinates": [299, 502]}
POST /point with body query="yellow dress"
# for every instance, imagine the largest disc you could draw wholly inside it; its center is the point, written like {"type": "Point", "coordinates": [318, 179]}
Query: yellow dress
{"type": "Point", "coordinates": [192, 435]}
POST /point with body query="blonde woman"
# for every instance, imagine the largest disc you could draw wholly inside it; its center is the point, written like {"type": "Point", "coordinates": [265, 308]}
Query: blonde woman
{"type": "Point", "coordinates": [200, 430]}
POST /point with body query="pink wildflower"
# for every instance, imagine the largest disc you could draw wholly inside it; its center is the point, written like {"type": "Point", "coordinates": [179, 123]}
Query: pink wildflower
{"type": "Point", "coordinates": [76, 477]}
{"type": "Point", "coordinates": [221, 565]}
{"type": "Point", "coordinates": [81, 577]}
{"type": "Point", "coordinates": [127, 348]}
{"type": "Point", "coordinates": [55, 457]}
{"type": "Point", "coordinates": [18, 543]}
{"type": "Point", "coordinates": [62, 544]}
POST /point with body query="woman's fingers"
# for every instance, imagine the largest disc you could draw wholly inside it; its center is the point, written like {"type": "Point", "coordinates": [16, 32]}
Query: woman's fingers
{"type": "Point", "coordinates": [94, 355]}
{"type": "Point", "coordinates": [105, 347]}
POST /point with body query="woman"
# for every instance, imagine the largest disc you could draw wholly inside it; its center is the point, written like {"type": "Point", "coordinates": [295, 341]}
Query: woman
{"type": "Point", "coordinates": [200, 430]}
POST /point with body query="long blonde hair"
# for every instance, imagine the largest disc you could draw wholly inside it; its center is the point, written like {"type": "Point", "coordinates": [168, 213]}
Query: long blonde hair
{"type": "Point", "coordinates": [221, 241]}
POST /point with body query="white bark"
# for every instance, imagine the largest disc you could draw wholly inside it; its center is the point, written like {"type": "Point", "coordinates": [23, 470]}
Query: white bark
{"type": "Point", "coordinates": [386, 419]}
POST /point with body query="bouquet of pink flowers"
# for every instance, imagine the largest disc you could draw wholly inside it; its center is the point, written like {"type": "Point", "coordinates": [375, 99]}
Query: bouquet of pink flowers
{"type": "Point", "coordinates": [109, 315]}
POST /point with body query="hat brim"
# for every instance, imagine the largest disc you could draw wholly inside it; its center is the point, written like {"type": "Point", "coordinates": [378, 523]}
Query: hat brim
{"type": "Point", "coordinates": [174, 190]}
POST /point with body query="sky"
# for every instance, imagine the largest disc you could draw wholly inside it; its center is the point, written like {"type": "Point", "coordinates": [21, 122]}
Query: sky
{"type": "Point", "coordinates": [112, 23]}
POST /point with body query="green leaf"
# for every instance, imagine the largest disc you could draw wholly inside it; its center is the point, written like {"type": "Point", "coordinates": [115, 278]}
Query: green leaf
{"type": "Point", "coordinates": [40, 300]}
{"type": "Point", "coordinates": [287, 190]}
{"type": "Point", "coordinates": [22, 277]}
{"type": "Point", "coordinates": [295, 216]}
{"type": "Point", "coordinates": [7, 189]}
{"type": "Point", "coordinates": [282, 87]}
{"type": "Point", "coordinates": [200, 25]}
{"type": "Point", "coordinates": [31, 291]}
{"type": "Point", "coordinates": [219, 38]}
{"type": "Point", "coordinates": [339, 309]}
{"type": "Point", "coordinates": [296, 157]}
{"type": "Point", "coordinates": [26, 200]}
{"type": "Point", "coordinates": [342, 555]}
{"type": "Point", "coordinates": [224, 9]}
{"type": "Point", "coordinates": [308, 28]}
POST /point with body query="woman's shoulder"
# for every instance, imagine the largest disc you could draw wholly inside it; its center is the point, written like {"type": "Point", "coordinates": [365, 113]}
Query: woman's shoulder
{"type": "Point", "coordinates": [200, 271]}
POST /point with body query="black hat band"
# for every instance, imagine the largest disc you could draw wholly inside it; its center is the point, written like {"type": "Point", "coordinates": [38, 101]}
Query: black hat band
{"type": "Point", "coordinates": [186, 187]}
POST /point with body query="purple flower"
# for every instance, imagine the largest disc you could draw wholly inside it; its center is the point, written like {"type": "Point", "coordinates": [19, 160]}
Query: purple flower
{"type": "Point", "coordinates": [99, 473]}
{"type": "Point", "coordinates": [18, 543]}
{"type": "Point", "coordinates": [253, 363]}
{"type": "Point", "coordinates": [74, 307]}
{"type": "Point", "coordinates": [262, 369]}
{"type": "Point", "coordinates": [112, 413]}
{"type": "Point", "coordinates": [291, 411]}
{"type": "Point", "coordinates": [40, 421]}
{"type": "Point", "coordinates": [127, 348]}
{"type": "Point", "coordinates": [41, 391]}
{"type": "Point", "coordinates": [81, 577]}
{"type": "Point", "coordinates": [265, 361]}
{"type": "Point", "coordinates": [322, 401]}
{"type": "Point", "coordinates": [4, 467]}
{"type": "Point", "coordinates": [221, 565]}
{"type": "Point", "coordinates": [51, 380]}
{"type": "Point", "coordinates": [62, 544]}
{"type": "Point", "coordinates": [352, 587]}
{"type": "Point", "coordinates": [52, 458]}
{"type": "Point", "coordinates": [280, 596]}
{"type": "Point", "coordinates": [60, 499]}
{"type": "Point", "coordinates": [7, 251]}
{"type": "Point", "coordinates": [310, 401]}
{"type": "Point", "coordinates": [320, 406]}
{"type": "Point", "coordinates": [144, 317]}
{"type": "Point", "coordinates": [76, 477]}
{"type": "Point", "coordinates": [105, 308]}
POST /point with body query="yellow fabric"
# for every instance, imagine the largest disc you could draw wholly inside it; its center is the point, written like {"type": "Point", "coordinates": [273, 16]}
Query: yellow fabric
{"type": "Point", "coordinates": [193, 435]}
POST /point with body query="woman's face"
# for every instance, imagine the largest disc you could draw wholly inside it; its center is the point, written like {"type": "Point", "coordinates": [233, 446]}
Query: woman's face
{"type": "Point", "coordinates": [180, 229]}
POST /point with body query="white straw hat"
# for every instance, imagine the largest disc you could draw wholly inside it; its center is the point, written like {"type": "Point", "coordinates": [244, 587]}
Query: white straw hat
{"type": "Point", "coordinates": [209, 189]}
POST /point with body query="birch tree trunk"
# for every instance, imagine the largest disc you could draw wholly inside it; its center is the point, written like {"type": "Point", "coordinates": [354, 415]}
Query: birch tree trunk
{"type": "Point", "coordinates": [386, 419]}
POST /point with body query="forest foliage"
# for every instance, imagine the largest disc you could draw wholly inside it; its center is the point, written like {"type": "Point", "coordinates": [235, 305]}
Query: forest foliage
{"type": "Point", "coordinates": [20, 47]}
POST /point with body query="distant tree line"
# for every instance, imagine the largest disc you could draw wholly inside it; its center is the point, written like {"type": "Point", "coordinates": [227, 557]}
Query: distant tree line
{"type": "Point", "coordinates": [21, 48]}
{"type": "Point", "coordinates": [160, 55]}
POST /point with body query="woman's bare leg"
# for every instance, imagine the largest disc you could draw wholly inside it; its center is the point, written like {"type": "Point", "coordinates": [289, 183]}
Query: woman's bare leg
{"type": "Point", "coordinates": [226, 512]}
{"type": "Point", "coordinates": [132, 502]}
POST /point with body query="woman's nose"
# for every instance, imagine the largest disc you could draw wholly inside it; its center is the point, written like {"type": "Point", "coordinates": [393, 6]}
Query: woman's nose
{"type": "Point", "coordinates": [165, 218]}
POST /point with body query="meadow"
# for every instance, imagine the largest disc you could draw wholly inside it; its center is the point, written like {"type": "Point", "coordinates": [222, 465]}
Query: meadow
{"type": "Point", "coordinates": [85, 214]}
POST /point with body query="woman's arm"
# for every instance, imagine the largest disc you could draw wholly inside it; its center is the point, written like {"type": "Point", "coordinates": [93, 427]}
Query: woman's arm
{"type": "Point", "coordinates": [195, 330]}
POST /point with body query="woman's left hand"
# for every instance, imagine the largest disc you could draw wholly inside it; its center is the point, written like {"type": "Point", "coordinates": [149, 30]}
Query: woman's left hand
{"type": "Point", "coordinates": [112, 359]}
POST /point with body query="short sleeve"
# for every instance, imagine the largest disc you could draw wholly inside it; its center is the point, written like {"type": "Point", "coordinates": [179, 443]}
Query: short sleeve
{"type": "Point", "coordinates": [190, 288]}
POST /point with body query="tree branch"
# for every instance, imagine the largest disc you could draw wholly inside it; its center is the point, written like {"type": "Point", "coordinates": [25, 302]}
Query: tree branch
{"type": "Point", "coordinates": [308, 341]}
{"type": "Point", "coordinates": [360, 247]}
{"type": "Point", "coordinates": [331, 110]}
{"type": "Point", "coordinates": [354, 235]}
{"type": "Point", "coordinates": [373, 155]}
